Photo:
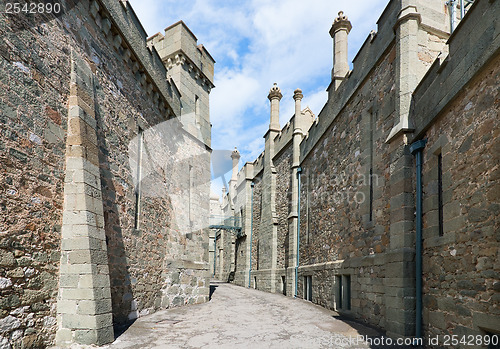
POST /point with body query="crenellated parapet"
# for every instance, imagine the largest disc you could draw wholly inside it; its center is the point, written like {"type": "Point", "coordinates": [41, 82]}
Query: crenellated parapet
{"type": "Point", "coordinates": [120, 25]}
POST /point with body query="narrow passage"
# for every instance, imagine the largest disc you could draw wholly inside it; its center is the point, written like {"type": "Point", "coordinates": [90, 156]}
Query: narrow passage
{"type": "Point", "coordinates": [238, 317]}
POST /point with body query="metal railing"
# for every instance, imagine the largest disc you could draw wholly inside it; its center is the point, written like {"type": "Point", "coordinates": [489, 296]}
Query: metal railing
{"type": "Point", "coordinates": [224, 222]}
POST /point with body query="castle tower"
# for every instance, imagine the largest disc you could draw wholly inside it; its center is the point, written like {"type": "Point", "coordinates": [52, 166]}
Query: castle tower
{"type": "Point", "coordinates": [340, 29]}
{"type": "Point", "coordinates": [191, 68]}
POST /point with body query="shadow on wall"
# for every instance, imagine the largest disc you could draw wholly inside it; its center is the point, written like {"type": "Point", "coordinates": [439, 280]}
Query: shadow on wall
{"type": "Point", "coordinates": [121, 290]}
{"type": "Point", "coordinates": [212, 290]}
{"type": "Point", "coordinates": [372, 336]}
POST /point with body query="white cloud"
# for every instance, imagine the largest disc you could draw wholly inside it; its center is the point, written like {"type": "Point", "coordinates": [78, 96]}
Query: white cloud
{"type": "Point", "coordinates": [257, 43]}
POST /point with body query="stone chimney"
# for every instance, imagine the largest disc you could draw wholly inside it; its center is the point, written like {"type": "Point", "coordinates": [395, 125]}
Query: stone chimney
{"type": "Point", "coordinates": [235, 155]}
{"type": "Point", "coordinates": [275, 97]}
{"type": "Point", "coordinates": [297, 96]}
{"type": "Point", "coordinates": [340, 28]}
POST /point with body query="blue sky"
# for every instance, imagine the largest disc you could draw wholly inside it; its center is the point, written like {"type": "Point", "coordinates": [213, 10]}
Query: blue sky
{"type": "Point", "coordinates": [256, 43]}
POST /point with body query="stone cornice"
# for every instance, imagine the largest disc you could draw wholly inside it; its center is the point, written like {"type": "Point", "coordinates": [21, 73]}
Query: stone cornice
{"type": "Point", "coordinates": [180, 58]}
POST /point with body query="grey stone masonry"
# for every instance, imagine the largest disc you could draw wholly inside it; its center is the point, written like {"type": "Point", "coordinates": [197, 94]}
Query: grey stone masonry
{"type": "Point", "coordinates": [348, 227]}
{"type": "Point", "coordinates": [84, 302]}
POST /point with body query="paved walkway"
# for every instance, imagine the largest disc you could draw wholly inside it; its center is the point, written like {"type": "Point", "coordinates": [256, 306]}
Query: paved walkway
{"type": "Point", "coordinates": [239, 317]}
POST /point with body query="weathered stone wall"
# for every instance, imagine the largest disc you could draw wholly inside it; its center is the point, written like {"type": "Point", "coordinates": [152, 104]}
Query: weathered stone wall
{"type": "Point", "coordinates": [283, 163]}
{"type": "Point", "coordinates": [460, 123]}
{"type": "Point", "coordinates": [358, 183]}
{"type": "Point", "coordinates": [335, 198]}
{"type": "Point", "coordinates": [257, 209]}
{"type": "Point", "coordinates": [34, 75]}
{"type": "Point", "coordinates": [155, 260]}
{"type": "Point", "coordinates": [461, 269]}
{"type": "Point", "coordinates": [227, 247]}
{"type": "Point", "coordinates": [241, 252]}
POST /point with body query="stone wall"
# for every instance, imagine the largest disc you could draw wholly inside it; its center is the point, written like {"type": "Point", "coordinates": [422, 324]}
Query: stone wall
{"type": "Point", "coordinates": [283, 163]}
{"type": "Point", "coordinates": [461, 272]}
{"type": "Point", "coordinates": [256, 248]}
{"type": "Point", "coordinates": [241, 251]}
{"type": "Point", "coordinates": [358, 179]}
{"type": "Point", "coordinates": [33, 113]}
{"type": "Point", "coordinates": [461, 267]}
{"type": "Point", "coordinates": [336, 222]}
{"type": "Point", "coordinates": [121, 92]}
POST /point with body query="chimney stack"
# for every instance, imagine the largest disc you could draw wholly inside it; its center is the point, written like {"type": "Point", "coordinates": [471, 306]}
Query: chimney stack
{"type": "Point", "coordinates": [340, 28]}
{"type": "Point", "coordinates": [275, 97]}
{"type": "Point", "coordinates": [297, 96]}
{"type": "Point", "coordinates": [235, 155]}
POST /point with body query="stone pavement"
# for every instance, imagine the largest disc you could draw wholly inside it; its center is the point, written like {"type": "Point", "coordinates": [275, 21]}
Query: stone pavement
{"type": "Point", "coordinates": [238, 317]}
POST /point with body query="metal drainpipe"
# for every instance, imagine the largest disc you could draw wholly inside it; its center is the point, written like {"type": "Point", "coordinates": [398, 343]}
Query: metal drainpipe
{"type": "Point", "coordinates": [215, 251]}
{"type": "Point", "coordinates": [452, 4]}
{"type": "Point", "coordinates": [299, 171]}
{"type": "Point", "coordinates": [416, 149]}
{"type": "Point", "coordinates": [251, 236]}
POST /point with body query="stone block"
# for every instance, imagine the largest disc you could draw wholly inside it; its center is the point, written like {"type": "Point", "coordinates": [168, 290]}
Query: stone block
{"type": "Point", "coordinates": [77, 294]}
{"type": "Point", "coordinates": [451, 210]}
{"type": "Point", "coordinates": [66, 306]}
{"type": "Point", "coordinates": [86, 322]}
{"type": "Point", "coordinates": [82, 243]}
{"type": "Point", "coordinates": [64, 336]}
{"type": "Point", "coordinates": [93, 280]}
{"type": "Point", "coordinates": [100, 336]}
{"type": "Point", "coordinates": [68, 280]}
{"type": "Point", "coordinates": [6, 258]}
{"type": "Point", "coordinates": [76, 218]}
{"type": "Point", "coordinates": [88, 307]}
{"type": "Point", "coordinates": [77, 269]}
{"type": "Point", "coordinates": [454, 225]}
{"type": "Point", "coordinates": [437, 319]}
{"type": "Point", "coordinates": [70, 231]}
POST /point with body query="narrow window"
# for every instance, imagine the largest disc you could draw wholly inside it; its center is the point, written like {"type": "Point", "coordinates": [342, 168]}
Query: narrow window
{"type": "Point", "coordinates": [283, 285]}
{"type": "Point", "coordinates": [371, 195]}
{"type": "Point", "coordinates": [308, 288]}
{"type": "Point", "coordinates": [190, 186]}
{"type": "Point", "coordinates": [346, 291]}
{"type": "Point", "coordinates": [138, 179]}
{"type": "Point", "coordinates": [343, 292]}
{"type": "Point", "coordinates": [338, 292]}
{"type": "Point", "coordinates": [258, 253]}
{"type": "Point", "coordinates": [255, 282]}
{"type": "Point", "coordinates": [197, 109]}
{"type": "Point", "coordinates": [440, 193]}
{"type": "Point", "coordinates": [371, 168]}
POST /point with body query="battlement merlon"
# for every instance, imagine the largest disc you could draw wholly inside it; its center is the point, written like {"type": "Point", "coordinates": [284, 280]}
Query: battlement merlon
{"type": "Point", "coordinates": [179, 43]}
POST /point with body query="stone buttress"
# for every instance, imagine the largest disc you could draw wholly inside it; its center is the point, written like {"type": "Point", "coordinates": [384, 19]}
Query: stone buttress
{"type": "Point", "coordinates": [84, 301]}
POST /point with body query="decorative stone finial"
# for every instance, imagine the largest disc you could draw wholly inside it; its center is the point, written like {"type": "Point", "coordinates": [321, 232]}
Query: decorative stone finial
{"type": "Point", "coordinates": [341, 22]}
{"type": "Point", "coordinates": [235, 154]}
{"type": "Point", "coordinates": [297, 94]}
{"type": "Point", "coordinates": [275, 93]}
